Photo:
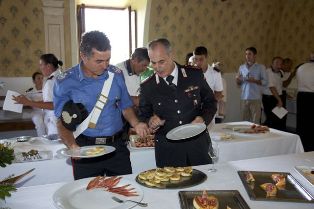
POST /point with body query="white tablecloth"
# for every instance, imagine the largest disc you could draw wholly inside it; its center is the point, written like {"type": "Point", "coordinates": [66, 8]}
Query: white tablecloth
{"type": "Point", "coordinates": [58, 170]}
{"type": "Point", "coordinates": [39, 197]}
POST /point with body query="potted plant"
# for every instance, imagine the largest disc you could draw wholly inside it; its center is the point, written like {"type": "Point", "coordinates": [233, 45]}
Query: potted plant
{"type": "Point", "coordinates": [6, 157]}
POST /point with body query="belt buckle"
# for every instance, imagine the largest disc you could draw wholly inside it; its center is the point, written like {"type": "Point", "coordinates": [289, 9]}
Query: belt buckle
{"type": "Point", "coordinates": [101, 141]}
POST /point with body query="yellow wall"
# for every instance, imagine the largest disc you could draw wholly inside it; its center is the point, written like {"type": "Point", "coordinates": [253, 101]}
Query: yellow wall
{"type": "Point", "coordinates": [22, 38]}
{"type": "Point", "coordinates": [281, 27]}
{"type": "Point", "coordinates": [226, 28]}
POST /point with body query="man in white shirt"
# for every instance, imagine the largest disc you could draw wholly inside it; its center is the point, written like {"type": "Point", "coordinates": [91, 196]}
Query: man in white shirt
{"type": "Point", "coordinates": [132, 68]}
{"type": "Point", "coordinates": [211, 74]}
{"type": "Point", "coordinates": [305, 99]}
{"type": "Point", "coordinates": [272, 94]}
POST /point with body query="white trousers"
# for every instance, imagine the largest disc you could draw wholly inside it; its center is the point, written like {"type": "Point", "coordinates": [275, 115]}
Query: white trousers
{"type": "Point", "coordinates": [51, 124]}
{"type": "Point", "coordinates": [38, 120]}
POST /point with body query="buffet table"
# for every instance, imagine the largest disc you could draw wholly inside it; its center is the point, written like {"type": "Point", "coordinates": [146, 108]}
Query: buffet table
{"type": "Point", "coordinates": [59, 168]}
{"type": "Point", "coordinates": [226, 178]}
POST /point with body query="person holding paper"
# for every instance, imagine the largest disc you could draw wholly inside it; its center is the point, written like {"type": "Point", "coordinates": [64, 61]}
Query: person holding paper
{"type": "Point", "coordinates": [35, 94]}
{"type": "Point", "coordinates": [97, 88]}
{"type": "Point", "coordinates": [272, 95]}
{"type": "Point", "coordinates": [48, 65]}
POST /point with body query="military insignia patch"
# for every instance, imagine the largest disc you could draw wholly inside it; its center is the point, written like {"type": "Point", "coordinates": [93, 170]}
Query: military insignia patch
{"type": "Point", "coordinates": [116, 69]}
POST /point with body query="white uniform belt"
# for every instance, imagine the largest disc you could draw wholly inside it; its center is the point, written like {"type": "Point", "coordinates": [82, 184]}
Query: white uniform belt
{"type": "Point", "coordinates": [91, 120]}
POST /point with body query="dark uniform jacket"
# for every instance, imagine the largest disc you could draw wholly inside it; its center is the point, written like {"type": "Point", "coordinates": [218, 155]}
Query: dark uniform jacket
{"type": "Point", "coordinates": [178, 106]}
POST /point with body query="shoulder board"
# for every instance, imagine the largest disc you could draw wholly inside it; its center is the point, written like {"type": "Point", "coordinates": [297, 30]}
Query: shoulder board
{"type": "Point", "coordinates": [28, 90]}
{"type": "Point", "coordinates": [192, 67]}
{"type": "Point", "coordinates": [216, 69]}
{"type": "Point", "coordinates": [51, 77]}
{"type": "Point", "coordinates": [116, 69]}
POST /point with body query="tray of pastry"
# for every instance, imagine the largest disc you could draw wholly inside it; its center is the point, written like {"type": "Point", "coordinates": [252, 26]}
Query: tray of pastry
{"type": "Point", "coordinates": [274, 186]}
{"type": "Point", "coordinates": [136, 142]}
{"type": "Point", "coordinates": [171, 178]}
{"type": "Point", "coordinates": [213, 199]}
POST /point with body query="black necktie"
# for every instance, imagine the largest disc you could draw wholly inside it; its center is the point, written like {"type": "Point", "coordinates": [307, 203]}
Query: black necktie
{"type": "Point", "coordinates": [169, 79]}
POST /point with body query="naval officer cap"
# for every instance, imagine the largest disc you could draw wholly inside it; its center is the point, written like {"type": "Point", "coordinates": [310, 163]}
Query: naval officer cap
{"type": "Point", "coordinates": [73, 114]}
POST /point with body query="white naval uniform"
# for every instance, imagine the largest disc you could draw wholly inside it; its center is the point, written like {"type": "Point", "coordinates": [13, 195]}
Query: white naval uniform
{"type": "Point", "coordinates": [49, 118]}
{"type": "Point", "coordinates": [275, 79]}
{"type": "Point", "coordinates": [37, 113]}
{"type": "Point", "coordinates": [132, 81]}
{"type": "Point", "coordinates": [214, 80]}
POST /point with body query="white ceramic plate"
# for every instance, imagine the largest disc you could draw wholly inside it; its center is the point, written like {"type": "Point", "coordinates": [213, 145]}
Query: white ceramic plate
{"type": "Point", "coordinates": [86, 151]}
{"type": "Point", "coordinates": [75, 196]}
{"type": "Point", "coordinates": [186, 131]}
{"type": "Point", "coordinates": [305, 171]}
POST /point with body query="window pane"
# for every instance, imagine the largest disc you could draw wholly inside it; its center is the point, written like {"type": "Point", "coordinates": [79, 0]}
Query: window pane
{"type": "Point", "coordinates": [115, 24]}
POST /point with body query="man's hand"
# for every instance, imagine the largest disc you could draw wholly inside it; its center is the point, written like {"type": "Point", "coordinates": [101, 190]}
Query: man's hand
{"type": "Point", "coordinates": [155, 122]}
{"type": "Point", "coordinates": [198, 119]}
{"type": "Point", "coordinates": [239, 79]}
{"type": "Point", "coordinates": [279, 103]}
{"type": "Point", "coordinates": [21, 99]}
{"type": "Point", "coordinates": [142, 129]}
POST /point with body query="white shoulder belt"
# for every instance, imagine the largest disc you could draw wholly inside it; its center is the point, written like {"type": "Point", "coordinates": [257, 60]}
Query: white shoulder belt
{"type": "Point", "coordinates": [91, 120]}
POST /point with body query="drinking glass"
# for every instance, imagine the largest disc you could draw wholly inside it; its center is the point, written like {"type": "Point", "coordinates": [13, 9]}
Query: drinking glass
{"type": "Point", "coordinates": [213, 153]}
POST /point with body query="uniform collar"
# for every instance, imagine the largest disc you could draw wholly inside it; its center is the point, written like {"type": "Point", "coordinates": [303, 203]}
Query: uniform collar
{"type": "Point", "coordinates": [174, 74]}
{"type": "Point", "coordinates": [127, 65]}
{"type": "Point", "coordinates": [82, 75]}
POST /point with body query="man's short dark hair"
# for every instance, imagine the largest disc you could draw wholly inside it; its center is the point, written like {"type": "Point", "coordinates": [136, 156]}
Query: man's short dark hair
{"type": "Point", "coordinates": [252, 49]}
{"type": "Point", "coordinates": [200, 50]}
{"type": "Point", "coordinates": [160, 41]}
{"type": "Point", "coordinates": [94, 40]}
{"type": "Point", "coordinates": [140, 54]}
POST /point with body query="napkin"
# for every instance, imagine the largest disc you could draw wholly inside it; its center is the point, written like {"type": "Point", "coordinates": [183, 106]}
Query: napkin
{"type": "Point", "coordinates": [9, 103]}
{"type": "Point", "coordinates": [280, 112]}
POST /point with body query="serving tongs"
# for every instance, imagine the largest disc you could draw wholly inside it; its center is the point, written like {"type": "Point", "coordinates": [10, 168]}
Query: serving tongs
{"type": "Point", "coordinates": [14, 179]}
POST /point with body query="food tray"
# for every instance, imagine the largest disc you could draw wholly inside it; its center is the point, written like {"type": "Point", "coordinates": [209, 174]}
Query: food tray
{"type": "Point", "coordinates": [231, 198]}
{"type": "Point", "coordinates": [42, 155]}
{"type": "Point", "coordinates": [292, 192]}
{"type": "Point", "coordinates": [196, 178]}
{"type": "Point", "coordinates": [305, 171]}
{"type": "Point", "coordinates": [135, 138]}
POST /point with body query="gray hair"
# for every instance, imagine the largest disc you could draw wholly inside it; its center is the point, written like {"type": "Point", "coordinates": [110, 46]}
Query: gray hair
{"type": "Point", "coordinates": [160, 41]}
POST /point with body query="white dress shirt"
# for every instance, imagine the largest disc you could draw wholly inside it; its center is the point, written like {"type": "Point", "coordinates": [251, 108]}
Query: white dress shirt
{"type": "Point", "coordinates": [305, 77]}
{"type": "Point", "coordinates": [274, 80]}
{"type": "Point", "coordinates": [213, 79]}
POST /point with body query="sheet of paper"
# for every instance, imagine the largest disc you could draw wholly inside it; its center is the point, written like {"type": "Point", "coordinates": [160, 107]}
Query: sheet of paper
{"type": "Point", "coordinates": [9, 103]}
{"type": "Point", "coordinates": [280, 112]}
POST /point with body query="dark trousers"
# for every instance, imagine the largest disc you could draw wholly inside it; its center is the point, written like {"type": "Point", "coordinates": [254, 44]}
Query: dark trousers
{"type": "Point", "coordinates": [189, 152]}
{"type": "Point", "coordinates": [284, 104]}
{"type": "Point", "coordinates": [269, 103]}
{"type": "Point", "coordinates": [112, 164]}
{"type": "Point", "coordinates": [305, 116]}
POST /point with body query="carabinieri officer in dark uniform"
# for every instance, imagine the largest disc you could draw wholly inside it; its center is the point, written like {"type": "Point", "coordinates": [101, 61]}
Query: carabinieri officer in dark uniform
{"type": "Point", "coordinates": [175, 96]}
{"type": "Point", "coordinates": [83, 85]}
